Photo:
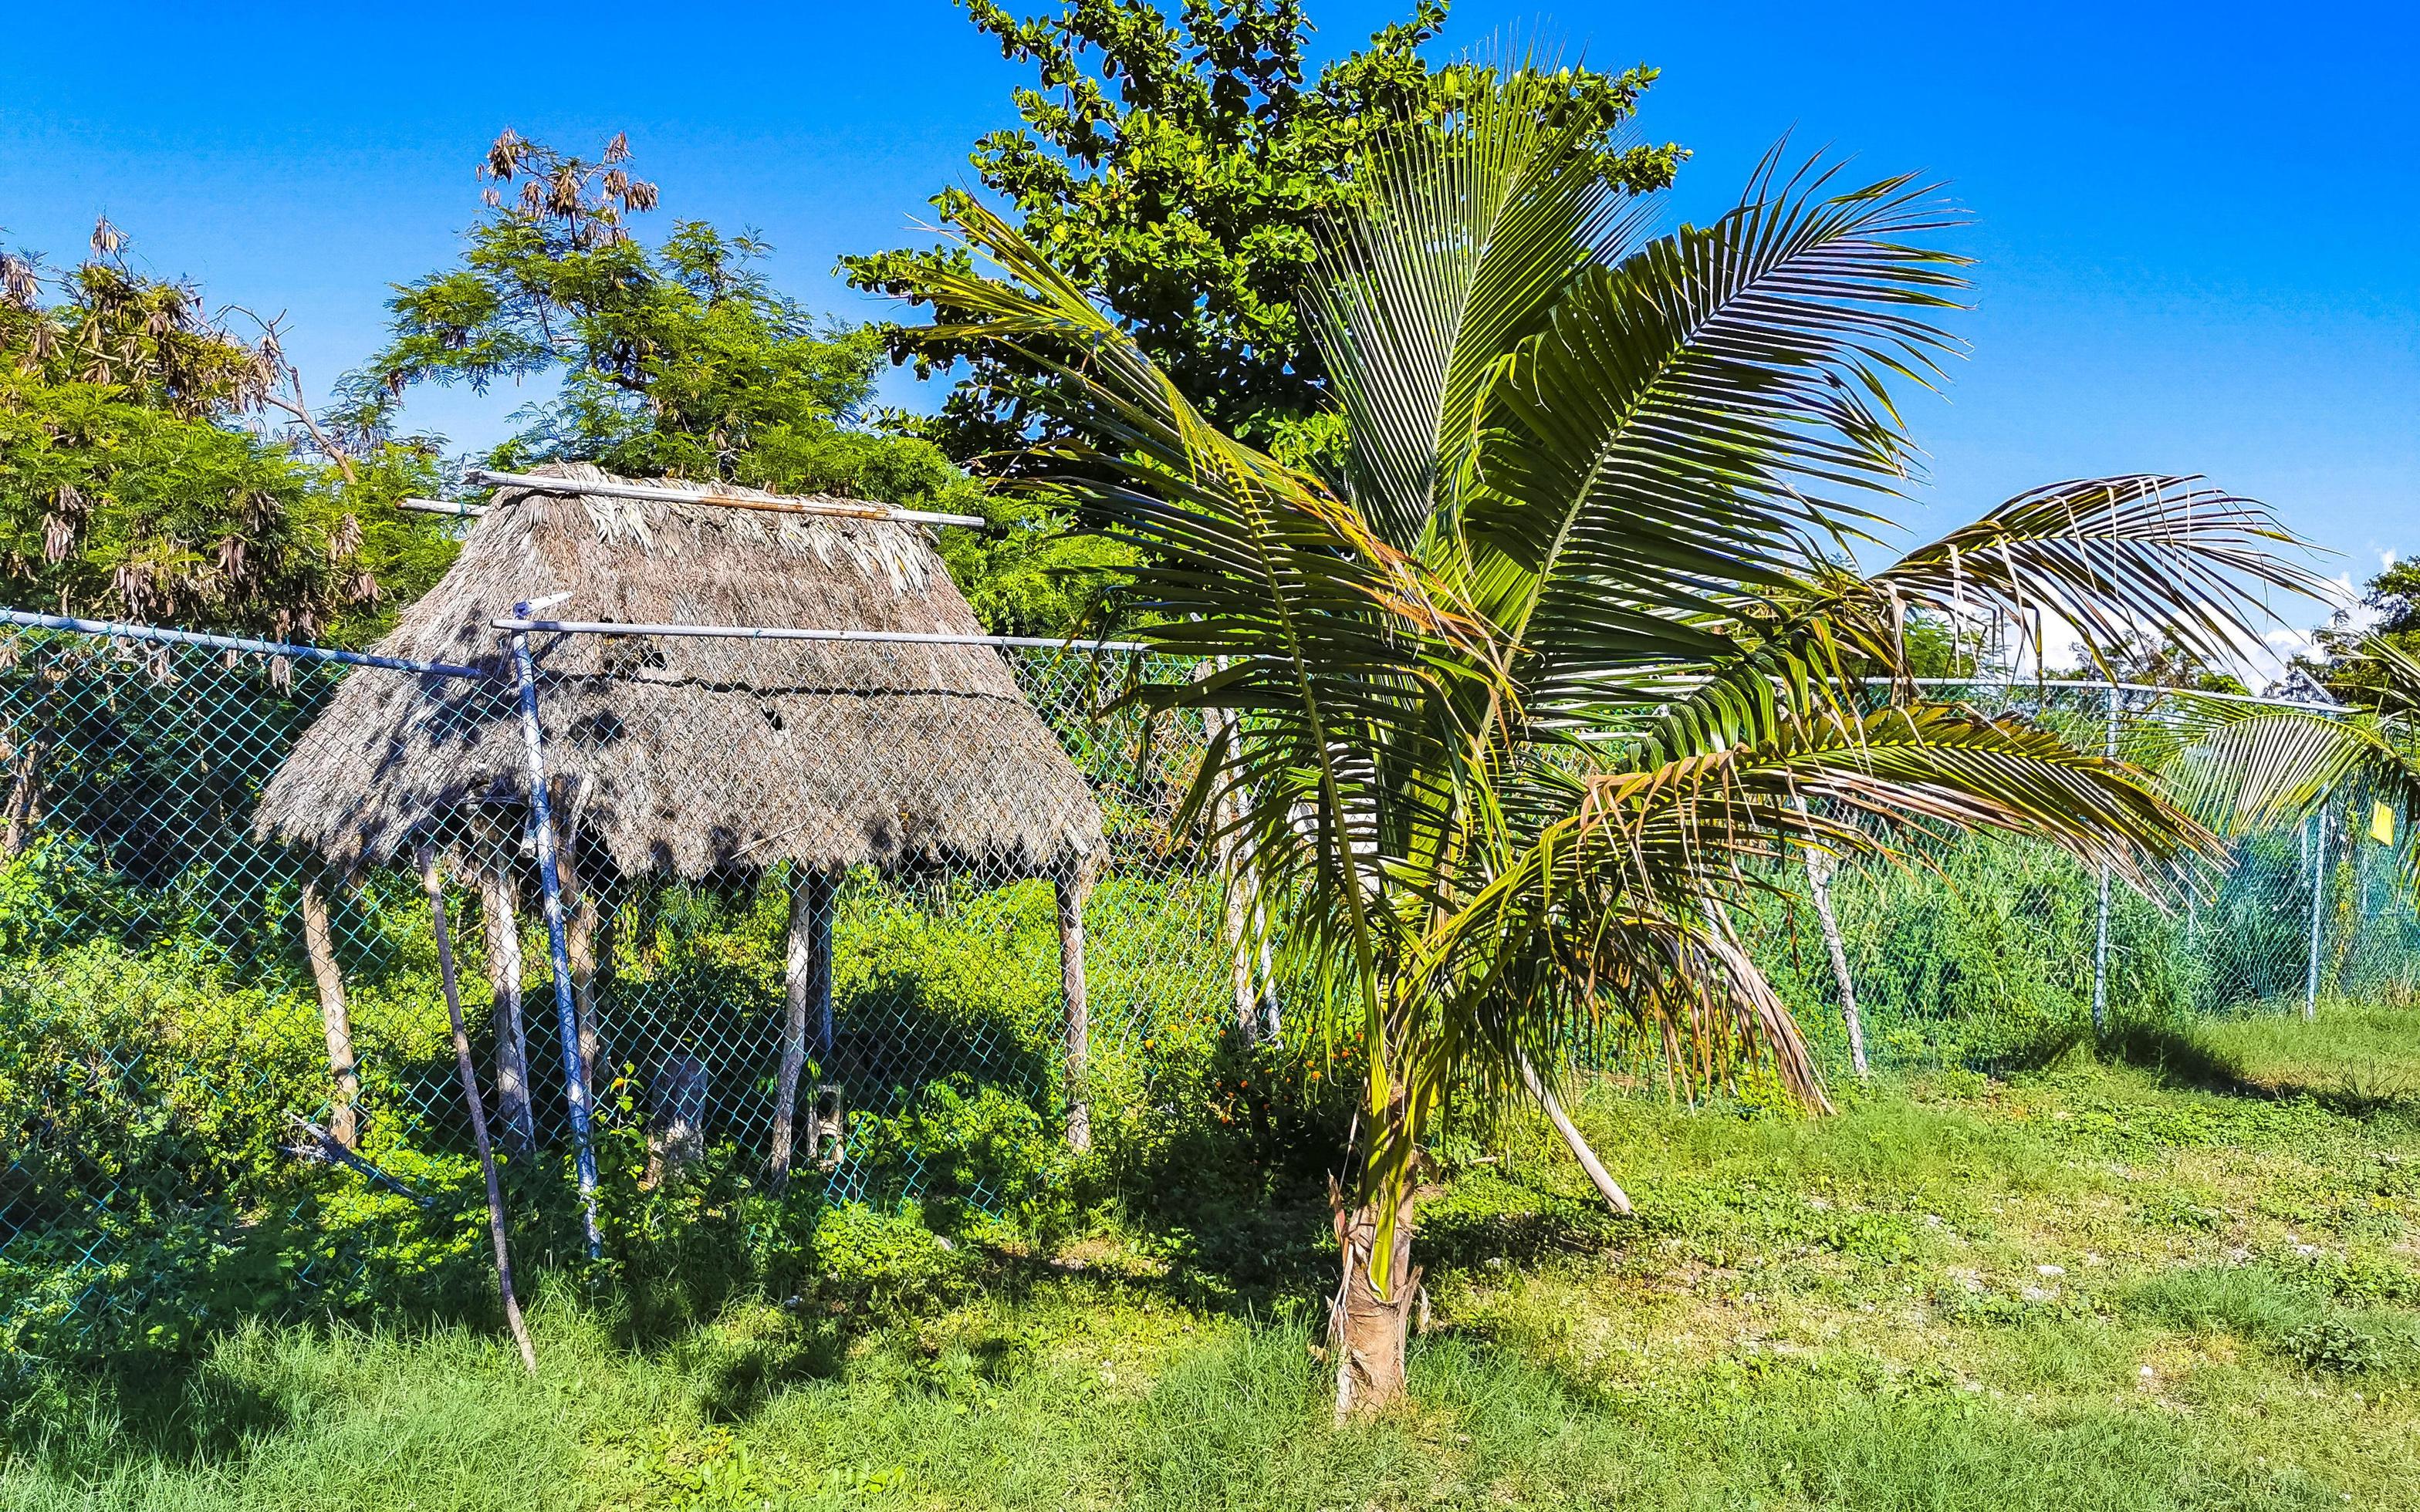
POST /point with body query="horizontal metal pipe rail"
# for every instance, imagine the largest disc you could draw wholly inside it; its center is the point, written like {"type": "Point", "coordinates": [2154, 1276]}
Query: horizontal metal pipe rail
{"type": "Point", "coordinates": [2098, 686]}
{"type": "Point", "coordinates": [235, 643]}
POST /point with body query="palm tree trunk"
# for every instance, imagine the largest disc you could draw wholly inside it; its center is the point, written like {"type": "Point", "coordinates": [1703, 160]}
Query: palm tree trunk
{"type": "Point", "coordinates": [1367, 1332]}
{"type": "Point", "coordinates": [807, 995]}
{"type": "Point", "coordinates": [435, 887]}
{"type": "Point", "coordinates": [504, 940]}
{"type": "Point", "coordinates": [336, 1020]}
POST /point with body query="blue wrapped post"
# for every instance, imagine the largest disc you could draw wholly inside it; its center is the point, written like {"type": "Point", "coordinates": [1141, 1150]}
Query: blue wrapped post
{"type": "Point", "coordinates": [575, 1080]}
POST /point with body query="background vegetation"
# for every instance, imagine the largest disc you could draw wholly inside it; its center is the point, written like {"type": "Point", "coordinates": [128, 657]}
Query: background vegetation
{"type": "Point", "coordinates": [2170, 1269]}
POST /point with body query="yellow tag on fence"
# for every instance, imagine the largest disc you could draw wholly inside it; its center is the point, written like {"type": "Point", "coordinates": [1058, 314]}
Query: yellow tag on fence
{"type": "Point", "coordinates": [2381, 823]}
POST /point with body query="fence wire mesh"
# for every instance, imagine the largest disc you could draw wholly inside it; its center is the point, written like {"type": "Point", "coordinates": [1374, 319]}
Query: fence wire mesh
{"type": "Point", "coordinates": [184, 1001]}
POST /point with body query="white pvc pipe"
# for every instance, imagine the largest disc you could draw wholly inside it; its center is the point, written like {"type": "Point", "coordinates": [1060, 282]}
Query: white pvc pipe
{"type": "Point", "coordinates": [748, 632]}
{"type": "Point", "coordinates": [2101, 938]}
{"type": "Point", "coordinates": [843, 509]}
{"type": "Point", "coordinates": [2316, 844]}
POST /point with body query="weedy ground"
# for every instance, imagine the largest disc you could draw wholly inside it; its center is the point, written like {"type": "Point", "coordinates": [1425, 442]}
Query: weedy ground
{"type": "Point", "coordinates": [2184, 1276]}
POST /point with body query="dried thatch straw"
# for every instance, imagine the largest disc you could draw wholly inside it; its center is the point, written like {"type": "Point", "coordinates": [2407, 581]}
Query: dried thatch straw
{"type": "Point", "coordinates": [693, 757]}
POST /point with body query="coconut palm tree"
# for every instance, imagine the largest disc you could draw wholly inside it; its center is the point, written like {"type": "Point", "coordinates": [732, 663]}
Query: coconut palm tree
{"type": "Point", "coordinates": [1525, 678]}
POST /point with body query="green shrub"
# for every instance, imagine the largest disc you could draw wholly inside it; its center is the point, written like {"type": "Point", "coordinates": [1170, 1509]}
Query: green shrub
{"type": "Point", "coordinates": [2335, 1343]}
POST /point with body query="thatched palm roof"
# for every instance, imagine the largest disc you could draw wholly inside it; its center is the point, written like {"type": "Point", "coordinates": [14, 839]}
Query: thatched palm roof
{"type": "Point", "coordinates": [692, 756]}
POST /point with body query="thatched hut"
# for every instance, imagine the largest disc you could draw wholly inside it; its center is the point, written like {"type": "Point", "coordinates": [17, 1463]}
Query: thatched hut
{"type": "Point", "coordinates": [690, 758]}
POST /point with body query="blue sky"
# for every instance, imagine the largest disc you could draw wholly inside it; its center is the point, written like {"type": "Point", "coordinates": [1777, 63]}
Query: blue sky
{"type": "Point", "coordinates": [2195, 224]}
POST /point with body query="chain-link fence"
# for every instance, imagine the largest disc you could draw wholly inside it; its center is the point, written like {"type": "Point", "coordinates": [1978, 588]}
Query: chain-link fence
{"type": "Point", "coordinates": [919, 884]}
{"type": "Point", "coordinates": [1994, 953]}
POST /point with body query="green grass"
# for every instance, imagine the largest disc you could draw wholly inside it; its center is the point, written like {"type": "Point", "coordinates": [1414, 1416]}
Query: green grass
{"type": "Point", "coordinates": [2183, 1282]}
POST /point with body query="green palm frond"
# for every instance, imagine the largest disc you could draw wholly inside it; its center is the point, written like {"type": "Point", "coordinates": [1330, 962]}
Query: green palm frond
{"type": "Point", "coordinates": [2112, 556]}
{"type": "Point", "coordinates": [1467, 234]}
{"type": "Point", "coordinates": [2246, 768]}
{"type": "Point", "coordinates": [1347, 660]}
{"type": "Point", "coordinates": [1668, 443]}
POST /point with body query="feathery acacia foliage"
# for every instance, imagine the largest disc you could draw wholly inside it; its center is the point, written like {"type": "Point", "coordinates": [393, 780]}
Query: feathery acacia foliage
{"type": "Point", "coordinates": [139, 477]}
{"type": "Point", "coordinates": [1527, 690]}
{"type": "Point", "coordinates": [682, 359]}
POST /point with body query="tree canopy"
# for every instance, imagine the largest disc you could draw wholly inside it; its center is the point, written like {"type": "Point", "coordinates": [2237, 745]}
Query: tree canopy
{"type": "Point", "coordinates": [1178, 170]}
{"type": "Point", "coordinates": [142, 477]}
{"type": "Point", "coordinates": [2344, 659]}
{"type": "Point", "coordinates": [680, 358]}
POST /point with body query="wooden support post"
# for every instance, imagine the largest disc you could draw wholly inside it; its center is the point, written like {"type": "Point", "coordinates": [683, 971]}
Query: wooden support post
{"type": "Point", "coordinates": [1072, 886]}
{"type": "Point", "coordinates": [24, 761]}
{"type": "Point", "coordinates": [1217, 729]}
{"type": "Point", "coordinates": [1822, 866]}
{"type": "Point", "coordinates": [587, 940]}
{"type": "Point", "coordinates": [434, 886]}
{"type": "Point", "coordinates": [502, 927]}
{"type": "Point", "coordinates": [1607, 1187]}
{"type": "Point", "coordinates": [807, 996]}
{"type": "Point", "coordinates": [676, 1097]}
{"type": "Point", "coordinates": [336, 1020]}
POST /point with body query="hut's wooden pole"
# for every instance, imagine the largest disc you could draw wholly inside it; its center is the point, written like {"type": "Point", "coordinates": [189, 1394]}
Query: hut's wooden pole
{"type": "Point", "coordinates": [336, 1020]}
{"type": "Point", "coordinates": [588, 939]}
{"type": "Point", "coordinates": [25, 791]}
{"type": "Point", "coordinates": [807, 993]}
{"type": "Point", "coordinates": [541, 821]}
{"type": "Point", "coordinates": [503, 934]}
{"type": "Point", "coordinates": [1072, 885]}
{"type": "Point", "coordinates": [777, 505]}
{"type": "Point", "coordinates": [434, 886]}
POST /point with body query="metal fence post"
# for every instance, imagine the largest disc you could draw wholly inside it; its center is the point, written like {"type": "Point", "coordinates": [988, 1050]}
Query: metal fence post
{"type": "Point", "coordinates": [575, 1081]}
{"type": "Point", "coordinates": [2100, 944]}
{"type": "Point", "coordinates": [2318, 852]}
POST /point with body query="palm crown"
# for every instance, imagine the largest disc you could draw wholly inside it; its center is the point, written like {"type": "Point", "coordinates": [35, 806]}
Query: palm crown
{"type": "Point", "coordinates": [1528, 675]}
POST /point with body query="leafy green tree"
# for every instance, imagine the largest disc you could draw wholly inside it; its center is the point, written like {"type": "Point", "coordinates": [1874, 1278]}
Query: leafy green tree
{"type": "Point", "coordinates": [2155, 660]}
{"type": "Point", "coordinates": [1565, 662]}
{"type": "Point", "coordinates": [2344, 660]}
{"type": "Point", "coordinates": [681, 360]}
{"type": "Point", "coordinates": [1178, 170]}
{"type": "Point", "coordinates": [140, 476]}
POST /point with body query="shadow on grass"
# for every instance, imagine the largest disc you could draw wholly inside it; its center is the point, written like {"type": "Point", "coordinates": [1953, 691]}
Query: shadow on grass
{"type": "Point", "coordinates": [2181, 1057]}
